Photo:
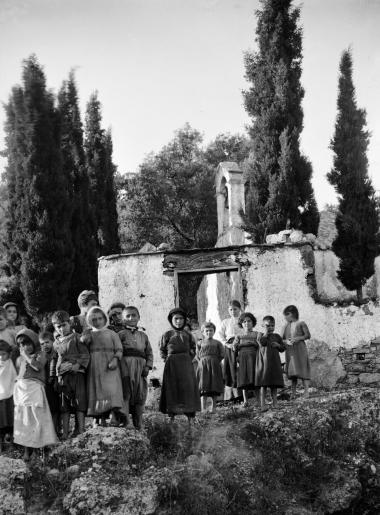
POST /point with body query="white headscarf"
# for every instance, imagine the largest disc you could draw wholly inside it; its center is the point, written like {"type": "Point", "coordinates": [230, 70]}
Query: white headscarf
{"type": "Point", "coordinates": [88, 318]}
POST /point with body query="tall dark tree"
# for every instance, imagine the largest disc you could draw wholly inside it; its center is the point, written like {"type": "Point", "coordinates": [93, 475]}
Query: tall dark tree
{"type": "Point", "coordinates": [82, 224]}
{"type": "Point", "coordinates": [357, 221]}
{"type": "Point", "coordinates": [280, 191]}
{"type": "Point", "coordinates": [39, 204]}
{"type": "Point", "coordinates": [101, 171]}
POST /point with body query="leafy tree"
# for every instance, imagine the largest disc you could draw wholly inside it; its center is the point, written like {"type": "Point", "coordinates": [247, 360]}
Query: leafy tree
{"type": "Point", "coordinates": [172, 198]}
{"type": "Point", "coordinates": [39, 204]}
{"type": "Point", "coordinates": [82, 225]}
{"type": "Point", "coordinates": [280, 191]}
{"type": "Point", "coordinates": [101, 171]}
{"type": "Point", "coordinates": [357, 222]}
{"type": "Point", "coordinates": [227, 147]}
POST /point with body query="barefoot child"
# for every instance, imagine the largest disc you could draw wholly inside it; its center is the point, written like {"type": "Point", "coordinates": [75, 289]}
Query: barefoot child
{"type": "Point", "coordinates": [104, 386]}
{"type": "Point", "coordinates": [230, 328]}
{"type": "Point", "coordinates": [179, 393]}
{"type": "Point", "coordinates": [7, 381]}
{"type": "Point", "coordinates": [268, 362]}
{"type": "Point", "coordinates": [245, 347]}
{"type": "Point", "coordinates": [70, 364]}
{"type": "Point", "coordinates": [297, 360]}
{"type": "Point", "coordinates": [209, 371]}
{"type": "Point", "coordinates": [51, 388]}
{"type": "Point", "coordinates": [138, 359]}
{"type": "Point", "coordinates": [33, 425]}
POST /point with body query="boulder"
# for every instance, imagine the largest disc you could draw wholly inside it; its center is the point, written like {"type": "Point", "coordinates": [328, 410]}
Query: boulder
{"type": "Point", "coordinates": [272, 239]}
{"type": "Point", "coordinates": [296, 236]}
{"type": "Point", "coordinates": [326, 366]}
{"type": "Point", "coordinates": [311, 238]}
{"type": "Point", "coordinates": [369, 378]}
{"type": "Point", "coordinates": [13, 474]}
{"type": "Point", "coordinates": [283, 236]}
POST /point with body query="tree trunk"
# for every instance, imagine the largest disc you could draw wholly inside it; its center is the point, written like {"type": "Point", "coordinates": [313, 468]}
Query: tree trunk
{"type": "Point", "coordinates": [359, 293]}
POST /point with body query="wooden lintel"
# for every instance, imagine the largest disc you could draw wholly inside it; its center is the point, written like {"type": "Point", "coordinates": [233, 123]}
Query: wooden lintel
{"type": "Point", "coordinates": [209, 260]}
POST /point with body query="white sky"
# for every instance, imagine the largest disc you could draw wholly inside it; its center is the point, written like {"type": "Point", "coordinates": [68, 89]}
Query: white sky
{"type": "Point", "coordinates": [158, 64]}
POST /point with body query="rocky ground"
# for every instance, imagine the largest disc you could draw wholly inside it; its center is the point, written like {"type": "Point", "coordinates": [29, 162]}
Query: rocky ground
{"type": "Point", "coordinates": [315, 456]}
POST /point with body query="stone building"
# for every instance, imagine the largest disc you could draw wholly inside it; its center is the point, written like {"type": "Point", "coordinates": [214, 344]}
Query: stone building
{"type": "Point", "coordinates": [265, 278]}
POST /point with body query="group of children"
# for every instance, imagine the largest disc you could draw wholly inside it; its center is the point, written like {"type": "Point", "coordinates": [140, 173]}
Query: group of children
{"type": "Point", "coordinates": [96, 364]}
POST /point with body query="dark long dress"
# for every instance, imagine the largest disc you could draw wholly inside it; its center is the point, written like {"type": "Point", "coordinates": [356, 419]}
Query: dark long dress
{"type": "Point", "coordinates": [179, 393]}
{"type": "Point", "coordinates": [268, 362]}
{"type": "Point", "coordinates": [209, 371]}
{"type": "Point", "coordinates": [246, 345]}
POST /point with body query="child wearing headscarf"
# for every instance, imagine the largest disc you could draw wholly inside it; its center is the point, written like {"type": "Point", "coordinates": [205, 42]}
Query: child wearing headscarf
{"type": "Point", "coordinates": [33, 424]}
{"type": "Point", "coordinates": [7, 333]}
{"type": "Point", "coordinates": [179, 393]}
{"type": "Point", "coordinates": [7, 381]}
{"type": "Point", "coordinates": [104, 386]}
{"type": "Point", "coordinates": [69, 364]}
{"type": "Point", "coordinates": [86, 300]}
{"type": "Point", "coordinates": [138, 360]}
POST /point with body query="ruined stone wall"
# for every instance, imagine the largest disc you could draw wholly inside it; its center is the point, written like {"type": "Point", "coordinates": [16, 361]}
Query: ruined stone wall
{"type": "Point", "coordinates": [138, 279]}
{"type": "Point", "coordinates": [271, 277]}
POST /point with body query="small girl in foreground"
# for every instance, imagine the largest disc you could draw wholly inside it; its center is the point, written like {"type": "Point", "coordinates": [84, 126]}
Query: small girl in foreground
{"type": "Point", "coordinates": [209, 372]}
{"type": "Point", "coordinates": [104, 386]}
{"type": "Point", "coordinates": [297, 359]}
{"type": "Point", "coordinates": [268, 362]}
{"type": "Point", "coordinates": [33, 424]}
{"type": "Point", "coordinates": [179, 392]}
{"type": "Point", "coordinates": [7, 381]}
{"type": "Point", "coordinates": [138, 359]}
{"type": "Point", "coordinates": [245, 346]}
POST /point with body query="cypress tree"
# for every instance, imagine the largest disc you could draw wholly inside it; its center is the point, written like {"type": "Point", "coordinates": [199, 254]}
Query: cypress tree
{"type": "Point", "coordinates": [278, 175]}
{"type": "Point", "coordinates": [111, 232]}
{"type": "Point", "coordinates": [100, 170]}
{"type": "Point", "coordinates": [38, 195]}
{"type": "Point", "coordinates": [357, 222]}
{"type": "Point", "coordinates": [82, 224]}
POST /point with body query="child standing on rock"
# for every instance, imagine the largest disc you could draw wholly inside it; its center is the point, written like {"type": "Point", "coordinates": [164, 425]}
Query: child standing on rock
{"type": "Point", "coordinates": [7, 382]}
{"type": "Point", "coordinates": [209, 372]}
{"type": "Point", "coordinates": [297, 359]}
{"type": "Point", "coordinates": [33, 424]}
{"type": "Point", "coordinates": [245, 347]}
{"type": "Point", "coordinates": [179, 393]}
{"type": "Point", "coordinates": [104, 386]}
{"type": "Point", "coordinates": [69, 364]}
{"type": "Point", "coordinates": [138, 360]}
{"type": "Point", "coordinates": [268, 362]}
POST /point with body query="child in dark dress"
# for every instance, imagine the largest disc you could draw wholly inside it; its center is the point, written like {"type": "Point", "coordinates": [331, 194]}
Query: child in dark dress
{"type": "Point", "coordinates": [268, 362]}
{"type": "Point", "coordinates": [245, 347]}
{"type": "Point", "coordinates": [51, 387]}
{"type": "Point", "coordinates": [8, 376]}
{"type": "Point", "coordinates": [209, 372]}
{"type": "Point", "coordinates": [179, 393]}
